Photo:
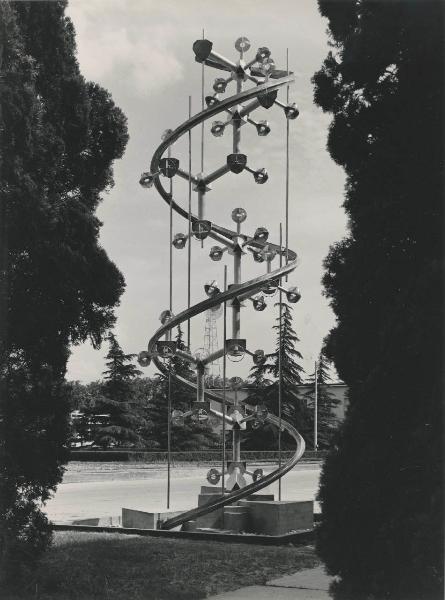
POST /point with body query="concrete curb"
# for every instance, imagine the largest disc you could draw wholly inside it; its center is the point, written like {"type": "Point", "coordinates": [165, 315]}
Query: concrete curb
{"type": "Point", "coordinates": [299, 537]}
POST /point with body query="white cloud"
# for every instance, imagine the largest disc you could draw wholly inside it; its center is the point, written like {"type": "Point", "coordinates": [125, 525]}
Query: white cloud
{"type": "Point", "coordinates": [111, 46]}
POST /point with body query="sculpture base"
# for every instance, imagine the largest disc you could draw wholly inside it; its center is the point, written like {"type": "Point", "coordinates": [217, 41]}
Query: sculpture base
{"type": "Point", "coordinates": [278, 517]}
{"type": "Point", "coordinates": [140, 519]}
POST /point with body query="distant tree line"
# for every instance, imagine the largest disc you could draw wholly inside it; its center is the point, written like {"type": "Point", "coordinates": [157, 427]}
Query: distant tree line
{"type": "Point", "coordinates": [127, 410]}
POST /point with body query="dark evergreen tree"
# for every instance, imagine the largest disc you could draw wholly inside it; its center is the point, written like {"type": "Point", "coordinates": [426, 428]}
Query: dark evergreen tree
{"type": "Point", "coordinates": [267, 392]}
{"type": "Point", "coordinates": [117, 400]}
{"type": "Point", "coordinates": [59, 137]}
{"type": "Point", "coordinates": [144, 390]}
{"type": "Point", "coordinates": [382, 485]}
{"type": "Point", "coordinates": [187, 436]}
{"type": "Point", "coordinates": [327, 421]}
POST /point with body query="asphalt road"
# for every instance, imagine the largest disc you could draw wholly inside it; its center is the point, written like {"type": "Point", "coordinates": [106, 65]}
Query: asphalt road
{"type": "Point", "coordinates": [103, 489]}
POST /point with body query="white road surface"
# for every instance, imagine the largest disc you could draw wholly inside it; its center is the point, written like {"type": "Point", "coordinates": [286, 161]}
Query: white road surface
{"type": "Point", "coordinates": [103, 489]}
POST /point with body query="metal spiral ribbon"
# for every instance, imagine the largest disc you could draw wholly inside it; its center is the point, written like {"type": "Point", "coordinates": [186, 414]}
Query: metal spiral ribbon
{"type": "Point", "coordinates": [268, 80]}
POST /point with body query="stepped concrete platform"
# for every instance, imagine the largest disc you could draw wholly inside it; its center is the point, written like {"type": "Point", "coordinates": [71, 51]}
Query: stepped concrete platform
{"type": "Point", "coordinates": [279, 517]}
{"type": "Point", "coordinates": [214, 520]}
{"type": "Point", "coordinates": [140, 519]}
{"type": "Point", "coordinates": [100, 521]}
{"type": "Point", "coordinates": [258, 514]}
{"type": "Point", "coordinates": [236, 518]}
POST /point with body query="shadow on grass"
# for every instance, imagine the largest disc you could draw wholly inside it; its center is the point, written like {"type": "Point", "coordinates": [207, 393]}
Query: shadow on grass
{"type": "Point", "coordinates": [85, 566]}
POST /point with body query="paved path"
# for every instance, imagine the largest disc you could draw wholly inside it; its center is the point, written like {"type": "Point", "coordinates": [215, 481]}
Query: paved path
{"type": "Point", "coordinates": [309, 584]}
{"type": "Point", "coordinates": [102, 490]}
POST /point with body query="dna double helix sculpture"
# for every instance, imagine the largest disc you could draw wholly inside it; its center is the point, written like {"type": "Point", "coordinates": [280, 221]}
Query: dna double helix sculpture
{"type": "Point", "coordinates": [266, 81]}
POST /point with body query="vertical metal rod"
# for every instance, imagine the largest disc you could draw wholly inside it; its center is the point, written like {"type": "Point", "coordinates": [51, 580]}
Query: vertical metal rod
{"type": "Point", "coordinates": [169, 411]}
{"type": "Point", "coordinates": [189, 257]}
{"type": "Point", "coordinates": [223, 470]}
{"type": "Point", "coordinates": [280, 366]}
{"type": "Point", "coordinates": [200, 371]}
{"type": "Point", "coordinates": [169, 403]}
{"type": "Point", "coordinates": [236, 444]}
{"type": "Point", "coordinates": [236, 309]}
{"type": "Point", "coordinates": [287, 167]}
{"type": "Point", "coordinates": [201, 195]}
{"type": "Point", "coordinates": [201, 200]}
{"type": "Point", "coordinates": [202, 108]}
{"type": "Point", "coordinates": [316, 410]}
{"type": "Point", "coordinates": [237, 126]}
{"type": "Point", "coordinates": [171, 246]}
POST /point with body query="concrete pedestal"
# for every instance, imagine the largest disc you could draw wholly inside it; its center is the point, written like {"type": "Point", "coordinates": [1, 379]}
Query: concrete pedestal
{"type": "Point", "coordinates": [278, 517]}
{"type": "Point", "coordinates": [100, 521]}
{"type": "Point", "coordinates": [236, 518]}
{"type": "Point", "coordinates": [140, 519]}
{"type": "Point", "coordinates": [214, 519]}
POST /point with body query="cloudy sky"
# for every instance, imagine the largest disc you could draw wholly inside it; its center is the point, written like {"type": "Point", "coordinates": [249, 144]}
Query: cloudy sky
{"type": "Point", "coordinates": [141, 51]}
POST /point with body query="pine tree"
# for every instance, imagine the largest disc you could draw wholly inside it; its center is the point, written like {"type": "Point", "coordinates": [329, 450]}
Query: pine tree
{"type": "Point", "coordinates": [189, 435]}
{"type": "Point", "coordinates": [327, 422]}
{"type": "Point", "coordinates": [267, 393]}
{"type": "Point", "coordinates": [117, 396]}
{"type": "Point", "coordinates": [381, 488]}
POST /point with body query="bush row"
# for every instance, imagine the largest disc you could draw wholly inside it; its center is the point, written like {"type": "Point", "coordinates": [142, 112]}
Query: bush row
{"type": "Point", "coordinates": [184, 456]}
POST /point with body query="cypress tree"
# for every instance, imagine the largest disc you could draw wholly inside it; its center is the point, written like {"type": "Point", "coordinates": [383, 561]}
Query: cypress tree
{"type": "Point", "coordinates": [381, 487]}
{"type": "Point", "coordinates": [59, 137]}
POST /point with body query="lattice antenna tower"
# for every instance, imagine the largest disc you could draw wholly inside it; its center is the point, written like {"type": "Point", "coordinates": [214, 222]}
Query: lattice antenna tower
{"type": "Point", "coordinates": [211, 342]}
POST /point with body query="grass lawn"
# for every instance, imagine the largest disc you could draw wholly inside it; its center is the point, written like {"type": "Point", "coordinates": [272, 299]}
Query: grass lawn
{"type": "Point", "coordinates": [111, 566]}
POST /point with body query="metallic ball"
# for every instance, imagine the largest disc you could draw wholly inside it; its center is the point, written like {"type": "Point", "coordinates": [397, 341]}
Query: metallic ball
{"type": "Point", "coordinates": [144, 358]}
{"type": "Point", "coordinates": [216, 253]}
{"type": "Point", "coordinates": [146, 180]}
{"type": "Point", "coordinates": [242, 44]}
{"type": "Point", "coordinates": [177, 417]}
{"type": "Point", "coordinates": [267, 66]}
{"type": "Point", "coordinates": [257, 474]}
{"type": "Point", "coordinates": [211, 100]}
{"type": "Point", "coordinates": [262, 54]}
{"type": "Point", "coordinates": [217, 128]}
{"type": "Point", "coordinates": [166, 134]}
{"type": "Point", "coordinates": [263, 128]}
{"type": "Point", "coordinates": [220, 85]}
{"type": "Point", "coordinates": [291, 111]}
{"type": "Point", "coordinates": [236, 383]}
{"type": "Point", "coordinates": [261, 234]}
{"type": "Point", "coordinates": [261, 176]}
{"type": "Point", "coordinates": [179, 241]}
{"type": "Point", "coordinates": [293, 295]}
{"type": "Point", "coordinates": [268, 253]}
{"type": "Point", "coordinates": [166, 316]}
{"type": "Point", "coordinates": [239, 215]}
{"type": "Point", "coordinates": [213, 476]}
{"type": "Point", "coordinates": [258, 356]}
{"type": "Point", "coordinates": [259, 305]}
{"type": "Point", "coordinates": [261, 412]}
{"type": "Point", "coordinates": [211, 288]}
